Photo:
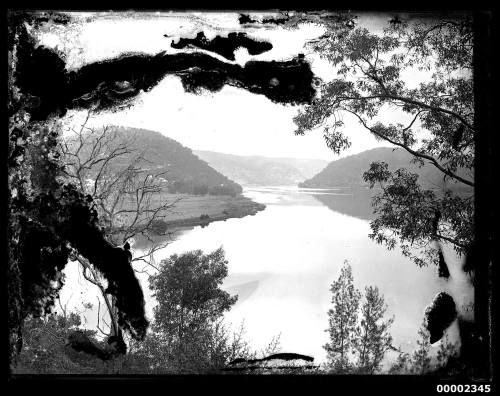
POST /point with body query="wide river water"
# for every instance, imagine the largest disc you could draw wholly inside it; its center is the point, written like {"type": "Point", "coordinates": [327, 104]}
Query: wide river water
{"type": "Point", "coordinates": [283, 260]}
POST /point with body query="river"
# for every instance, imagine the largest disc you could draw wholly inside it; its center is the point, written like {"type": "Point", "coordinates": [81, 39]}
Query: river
{"type": "Point", "coordinates": [283, 260]}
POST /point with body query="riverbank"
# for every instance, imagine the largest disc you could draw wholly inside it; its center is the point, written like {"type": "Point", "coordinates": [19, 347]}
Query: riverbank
{"type": "Point", "coordinates": [191, 211]}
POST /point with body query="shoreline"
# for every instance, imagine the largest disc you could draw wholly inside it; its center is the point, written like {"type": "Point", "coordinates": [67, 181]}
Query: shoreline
{"type": "Point", "coordinates": [240, 207]}
{"type": "Point", "coordinates": [192, 211]}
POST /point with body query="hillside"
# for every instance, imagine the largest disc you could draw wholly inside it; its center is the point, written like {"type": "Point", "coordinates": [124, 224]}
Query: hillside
{"type": "Point", "coordinates": [200, 194]}
{"type": "Point", "coordinates": [186, 173]}
{"type": "Point", "coordinates": [348, 171]}
{"type": "Point", "coordinates": [258, 170]}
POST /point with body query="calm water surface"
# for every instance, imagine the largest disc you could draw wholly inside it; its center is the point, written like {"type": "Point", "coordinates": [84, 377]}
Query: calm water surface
{"type": "Point", "coordinates": [283, 260]}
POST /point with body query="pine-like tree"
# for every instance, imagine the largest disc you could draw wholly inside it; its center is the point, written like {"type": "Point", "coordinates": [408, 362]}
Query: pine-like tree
{"type": "Point", "coordinates": [402, 364]}
{"type": "Point", "coordinates": [421, 361]}
{"type": "Point", "coordinates": [372, 337]}
{"type": "Point", "coordinates": [342, 320]}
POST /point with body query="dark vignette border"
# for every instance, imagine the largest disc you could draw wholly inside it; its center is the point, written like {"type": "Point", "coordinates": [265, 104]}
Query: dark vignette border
{"type": "Point", "coordinates": [486, 291]}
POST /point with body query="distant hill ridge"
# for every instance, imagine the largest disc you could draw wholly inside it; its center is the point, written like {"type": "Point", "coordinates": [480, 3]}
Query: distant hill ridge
{"type": "Point", "coordinates": [260, 170]}
{"type": "Point", "coordinates": [348, 171]}
{"type": "Point", "coordinates": [186, 173]}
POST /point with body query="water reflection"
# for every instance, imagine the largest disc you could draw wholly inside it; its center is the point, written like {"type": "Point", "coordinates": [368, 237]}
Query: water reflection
{"type": "Point", "coordinates": [282, 261]}
{"type": "Point", "coordinates": [348, 201]}
{"type": "Point", "coordinates": [356, 204]}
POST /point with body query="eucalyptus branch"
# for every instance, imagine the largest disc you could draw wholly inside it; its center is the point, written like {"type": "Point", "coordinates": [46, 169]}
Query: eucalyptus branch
{"type": "Point", "coordinates": [433, 108]}
{"type": "Point", "coordinates": [413, 152]}
{"type": "Point", "coordinates": [451, 240]}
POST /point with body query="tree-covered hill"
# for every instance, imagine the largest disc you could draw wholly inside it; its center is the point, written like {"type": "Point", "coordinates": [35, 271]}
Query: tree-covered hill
{"type": "Point", "coordinates": [185, 172]}
{"type": "Point", "coordinates": [348, 171]}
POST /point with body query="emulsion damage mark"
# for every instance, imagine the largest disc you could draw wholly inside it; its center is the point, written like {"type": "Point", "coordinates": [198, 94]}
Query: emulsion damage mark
{"type": "Point", "coordinates": [109, 84]}
{"type": "Point", "coordinates": [225, 46]}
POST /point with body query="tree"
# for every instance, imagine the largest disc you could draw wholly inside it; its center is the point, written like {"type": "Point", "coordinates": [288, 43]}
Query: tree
{"type": "Point", "coordinates": [56, 216]}
{"type": "Point", "coordinates": [449, 361]}
{"type": "Point", "coordinates": [365, 338]}
{"type": "Point", "coordinates": [107, 165]}
{"type": "Point", "coordinates": [222, 346]}
{"type": "Point", "coordinates": [417, 362]}
{"type": "Point", "coordinates": [50, 220]}
{"type": "Point", "coordinates": [46, 349]}
{"type": "Point", "coordinates": [342, 320]}
{"type": "Point", "coordinates": [190, 307]}
{"type": "Point", "coordinates": [421, 361]}
{"type": "Point", "coordinates": [402, 364]}
{"type": "Point", "coordinates": [371, 84]}
{"type": "Point", "coordinates": [438, 127]}
{"type": "Point", "coordinates": [447, 350]}
{"type": "Point", "coordinates": [372, 338]}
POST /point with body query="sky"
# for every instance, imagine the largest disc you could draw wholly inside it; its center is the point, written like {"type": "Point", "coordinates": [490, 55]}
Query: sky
{"type": "Point", "coordinates": [231, 121]}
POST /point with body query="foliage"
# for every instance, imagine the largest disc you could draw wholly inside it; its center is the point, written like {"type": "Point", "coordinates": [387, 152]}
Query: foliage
{"type": "Point", "coordinates": [188, 334]}
{"type": "Point", "coordinates": [406, 213]}
{"type": "Point", "coordinates": [45, 352]}
{"type": "Point", "coordinates": [184, 171]}
{"type": "Point", "coordinates": [348, 171]}
{"type": "Point", "coordinates": [402, 364]}
{"type": "Point", "coordinates": [448, 362]}
{"type": "Point", "coordinates": [372, 82]}
{"type": "Point", "coordinates": [417, 362]}
{"type": "Point", "coordinates": [48, 219]}
{"type": "Point", "coordinates": [190, 308]}
{"type": "Point", "coordinates": [106, 164]}
{"type": "Point", "coordinates": [188, 293]}
{"type": "Point", "coordinates": [420, 357]}
{"type": "Point", "coordinates": [364, 339]}
{"type": "Point", "coordinates": [447, 351]}
{"type": "Point", "coordinates": [342, 320]}
{"type": "Point", "coordinates": [372, 338]}
{"type": "Point", "coordinates": [208, 353]}
{"type": "Point", "coordinates": [142, 151]}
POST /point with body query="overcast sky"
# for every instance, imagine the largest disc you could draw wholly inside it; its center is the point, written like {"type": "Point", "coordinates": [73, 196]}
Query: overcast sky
{"type": "Point", "coordinates": [231, 121]}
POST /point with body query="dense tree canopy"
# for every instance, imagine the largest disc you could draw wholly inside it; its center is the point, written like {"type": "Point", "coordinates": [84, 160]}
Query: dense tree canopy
{"type": "Point", "coordinates": [374, 81]}
{"type": "Point", "coordinates": [191, 304]}
{"type": "Point", "coordinates": [187, 289]}
{"type": "Point", "coordinates": [419, 71]}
